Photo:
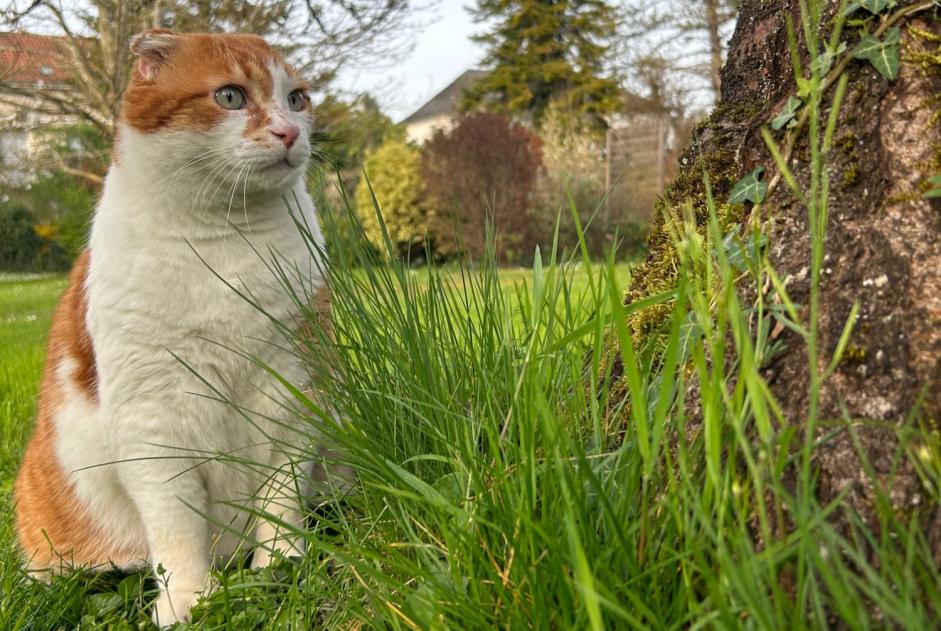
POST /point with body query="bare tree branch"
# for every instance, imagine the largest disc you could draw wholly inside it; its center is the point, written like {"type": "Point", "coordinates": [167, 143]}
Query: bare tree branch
{"type": "Point", "coordinates": [318, 36]}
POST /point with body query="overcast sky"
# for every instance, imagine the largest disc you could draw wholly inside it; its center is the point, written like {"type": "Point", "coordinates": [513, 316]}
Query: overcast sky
{"type": "Point", "coordinates": [443, 50]}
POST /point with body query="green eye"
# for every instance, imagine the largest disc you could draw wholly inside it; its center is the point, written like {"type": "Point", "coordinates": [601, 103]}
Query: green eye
{"type": "Point", "coordinates": [230, 97]}
{"type": "Point", "coordinates": [296, 100]}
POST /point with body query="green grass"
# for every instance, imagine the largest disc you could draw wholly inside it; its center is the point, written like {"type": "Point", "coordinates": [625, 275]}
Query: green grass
{"type": "Point", "coordinates": [25, 313]}
{"type": "Point", "coordinates": [500, 484]}
{"type": "Point", "coordinates": [502, 481]}
{"type": "Point", "coordinates": [111, 599]}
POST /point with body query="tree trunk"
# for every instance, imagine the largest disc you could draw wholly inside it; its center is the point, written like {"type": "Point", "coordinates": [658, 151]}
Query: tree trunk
{"type": "Point", "coordinates": [883, 243]}
{"type": "Point", "coordinates": [715, 43]}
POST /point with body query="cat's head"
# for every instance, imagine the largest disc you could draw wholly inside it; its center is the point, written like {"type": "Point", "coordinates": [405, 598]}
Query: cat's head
{"type": "Point", "coordinates": [217, 110]}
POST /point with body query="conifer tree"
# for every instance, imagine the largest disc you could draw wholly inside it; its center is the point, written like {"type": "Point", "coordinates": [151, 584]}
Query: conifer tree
{"type": "Point", "coordinates": [544, 50]}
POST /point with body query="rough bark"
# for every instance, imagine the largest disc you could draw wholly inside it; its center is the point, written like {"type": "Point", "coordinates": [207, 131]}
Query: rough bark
{"type": "Point", "coordinates": [883, 245]}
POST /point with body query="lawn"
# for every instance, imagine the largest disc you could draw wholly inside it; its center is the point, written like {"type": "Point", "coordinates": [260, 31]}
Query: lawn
{"type": "Point", "coordinates": [530, 453]}
{"type": "Point", "coordinates": [113, 599]}
{"type": "Point", "coordinates": [25, 314]}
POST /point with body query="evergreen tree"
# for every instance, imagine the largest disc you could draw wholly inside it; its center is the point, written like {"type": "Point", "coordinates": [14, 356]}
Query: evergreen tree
{"type": "Point", "coordinates": [539, 51]}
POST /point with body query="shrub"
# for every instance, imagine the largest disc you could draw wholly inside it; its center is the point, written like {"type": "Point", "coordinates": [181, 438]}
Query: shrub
{"type": "Point", "coordinates": [64, 203]}
{"type": "Point", "coordinates": [70, 203]}
{"type": "Point", "coordinates": [486, 164]}
{"type": "Point", "coordinates": [348, 130]}
{"type": "Point", "coordinates": [22, 249]}
{"type": "Point", "coordinates": [395, 175]}
{"type": "Point", "coordinates": [574, 164]}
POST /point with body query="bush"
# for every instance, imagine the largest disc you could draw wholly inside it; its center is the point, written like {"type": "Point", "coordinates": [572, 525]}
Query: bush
{"type": "Point", "coordinates": [395, 175]}
{"type": "Point", "coordinates": [486, 164]}
{"type": "Point", "coordinates": [63, 202]}
{"type": "Point", "coordinates": [574, 165]}
{"type": "Point", "coordinates": [22, 249]}
{"type": "Point", "coordinates": [71, 204]}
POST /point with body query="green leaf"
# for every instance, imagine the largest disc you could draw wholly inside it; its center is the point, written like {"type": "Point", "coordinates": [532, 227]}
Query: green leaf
{"type": "Point", "coordinates": [804, 87]}
{"type": "Point", "coordinates": [787, 115]}
{"type": "Point", "coordinates": [883, 55]}
{"type": "Point", "coordinates": [102, 603]}
{"type": "Point", "coordinates": [873, 6]}
{"type": "Point", "coordinates": [735, 252]}
{"type": "Point", "coordinates": [750, 188]}
{"type": "Point", "coordinates": [824, 61]}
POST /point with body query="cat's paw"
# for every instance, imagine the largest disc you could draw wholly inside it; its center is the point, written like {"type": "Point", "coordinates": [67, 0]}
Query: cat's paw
{"type": "Point", "coordinates": [174, 606]}
{"type": "Point", "coordinates": [265, 556]}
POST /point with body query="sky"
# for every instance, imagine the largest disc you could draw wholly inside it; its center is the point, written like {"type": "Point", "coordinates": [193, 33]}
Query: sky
{"type": "Point", "coordinates": [443, 50]}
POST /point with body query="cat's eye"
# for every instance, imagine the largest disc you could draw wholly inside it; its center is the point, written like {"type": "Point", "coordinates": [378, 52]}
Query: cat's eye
{"type": "Point", "coordinates": [296, 100]}
{"type": "Point", "coordinates": [230, 97]}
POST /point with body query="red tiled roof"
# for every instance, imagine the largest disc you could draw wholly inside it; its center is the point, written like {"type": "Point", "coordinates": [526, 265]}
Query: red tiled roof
{"type": "Point", "coordinates": [33, 59]}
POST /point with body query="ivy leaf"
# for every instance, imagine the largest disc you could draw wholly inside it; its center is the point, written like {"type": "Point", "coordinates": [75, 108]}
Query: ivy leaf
{"type": "Point", "coordinates": [750, 188]}
{"type": "Point", "coordinates": [804, 87]}
{"type": "Point", "coordinates": [824, 61]}
{"type": "Point", "coordinates": [787, 115]}
{"type": "Point", "coordinates": [935, 191]}
{"type": "Point", "coordinates": [883, 55]}
{"type": "Point", "coordinates": [873, 6]}
{"type": "Point", "coordinates": [735, 252]}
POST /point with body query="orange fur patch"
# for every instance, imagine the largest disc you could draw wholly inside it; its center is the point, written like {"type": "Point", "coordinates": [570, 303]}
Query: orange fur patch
{"type": "Point", "coordinates": [53, 527]}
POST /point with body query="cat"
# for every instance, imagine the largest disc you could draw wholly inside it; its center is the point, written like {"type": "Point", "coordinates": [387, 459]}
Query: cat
{"type": "Point", "coordinates": [213, 135]}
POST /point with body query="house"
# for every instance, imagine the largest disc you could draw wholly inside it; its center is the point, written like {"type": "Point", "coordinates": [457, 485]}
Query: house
{"type": "Point", "coordinates": [28, 63]}
{"type": "Point", "coordinates": [441, 110]}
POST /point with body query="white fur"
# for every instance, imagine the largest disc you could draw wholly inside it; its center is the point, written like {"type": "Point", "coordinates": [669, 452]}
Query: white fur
{"type": "Point", "coordinates": [141, 459]}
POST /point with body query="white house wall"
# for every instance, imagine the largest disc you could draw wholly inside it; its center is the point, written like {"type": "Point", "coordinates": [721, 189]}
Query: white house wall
{"type": "Point", "coordinates": [421, 131]}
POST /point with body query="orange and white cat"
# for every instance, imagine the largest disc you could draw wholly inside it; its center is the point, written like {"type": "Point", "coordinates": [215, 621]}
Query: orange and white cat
{"type": "Point", "coordinates": [121, 470]}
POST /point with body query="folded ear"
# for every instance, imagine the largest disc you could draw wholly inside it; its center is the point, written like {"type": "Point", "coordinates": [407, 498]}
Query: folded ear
{"type": "Point", "coordinates": [153, 48]}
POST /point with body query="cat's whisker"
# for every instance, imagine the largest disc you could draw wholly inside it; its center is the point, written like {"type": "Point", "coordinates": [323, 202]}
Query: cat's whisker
{"type": "Point", "coordinates": [244, 165]}
{"type": "Point", "coordinates": [245, 197]}
{"type": "Point", "coordinates": [193, 165]}
{"type": "Point", "coordinates": [207, 181]}
{"type": "Point", "coordinates": [222, 178]}
{"type": "Point", "coordinates": [212, 166]}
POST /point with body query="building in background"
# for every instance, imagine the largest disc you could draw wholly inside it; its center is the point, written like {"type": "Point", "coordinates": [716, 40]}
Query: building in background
{"type": "Point", "coordinates": [28, 61]}
{"type": "Point", "coordinates": [441, 111]}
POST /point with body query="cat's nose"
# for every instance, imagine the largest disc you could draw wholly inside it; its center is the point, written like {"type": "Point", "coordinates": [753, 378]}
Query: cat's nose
{"type": "Point", "coordinates": [287, 132]}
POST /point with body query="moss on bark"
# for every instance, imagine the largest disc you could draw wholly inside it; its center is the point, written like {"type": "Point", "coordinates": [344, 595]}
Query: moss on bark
{"type": "Point", "coordinates": [883, 248]}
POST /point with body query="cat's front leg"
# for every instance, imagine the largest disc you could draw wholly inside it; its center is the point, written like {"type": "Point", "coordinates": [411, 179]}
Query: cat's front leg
{"type": "Point", "coordinates": [173, 507]}
{"type": "Point", "coordinates": [281, 504]}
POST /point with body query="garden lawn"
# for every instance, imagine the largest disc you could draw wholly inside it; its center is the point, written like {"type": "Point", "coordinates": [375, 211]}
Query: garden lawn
{"type": "Point", "coordinates": [113, 599]}
{"type": "Point", "coordinates": [26, 308]}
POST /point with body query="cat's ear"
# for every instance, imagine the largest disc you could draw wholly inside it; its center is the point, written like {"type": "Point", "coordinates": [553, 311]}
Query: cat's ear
{"type": "Point", "coordinates": [153, 48]}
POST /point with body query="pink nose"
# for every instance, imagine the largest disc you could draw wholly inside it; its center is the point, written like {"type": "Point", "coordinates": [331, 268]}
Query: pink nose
{"type": "Point", "coordinates": [287, 132]}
